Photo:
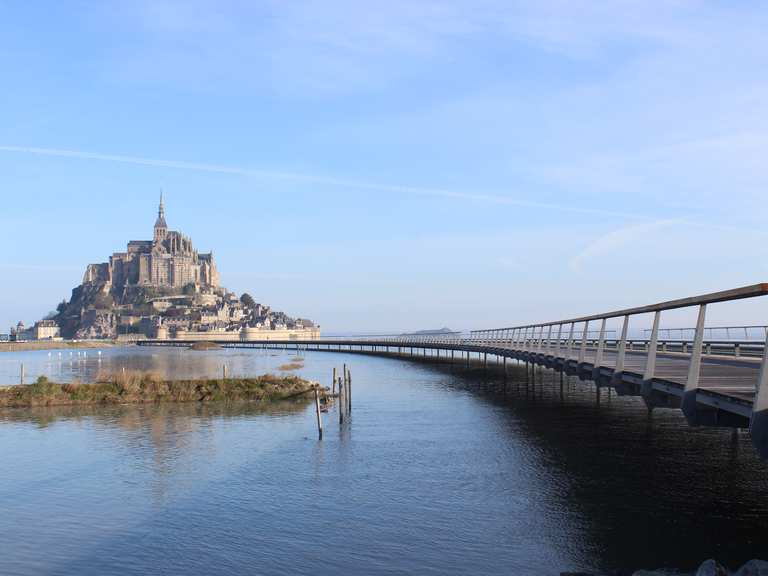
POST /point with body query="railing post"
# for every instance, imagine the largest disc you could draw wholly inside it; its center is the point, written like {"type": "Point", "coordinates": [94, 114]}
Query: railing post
{"type": "Point", "coordinates": [559, 337]}
{"type": "Point", "coordinates": [694, 368]}
{"type": "Point", "coordinates": [621, 353]}
{"type": "Point", "coordinates": [532, 340]}
{"type": "Point", "coordinates": [650, 359]}
{"type": "Point", "coordinates": [540, 341]}
{"type": "Point", "coordinates": [583, 350]}
{"type": "Point", "coordinates": [549, 339]}
{"type": "Point", "coordinates": [569, 348]}
{"type": "Point", "coordinates": [758, 425]}
{"type": "Point", "coordinates": [600, 352]}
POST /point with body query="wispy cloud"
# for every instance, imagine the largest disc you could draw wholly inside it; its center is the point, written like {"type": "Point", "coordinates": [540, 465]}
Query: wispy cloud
{"type": "Point", "coordinates": [615, 240]}
{"type": "Point", "coordinates": [489, 198]}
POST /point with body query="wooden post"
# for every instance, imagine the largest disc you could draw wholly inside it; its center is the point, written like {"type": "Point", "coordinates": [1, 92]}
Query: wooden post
{"type": "Point", "coordinates": [21, 381]}
{"type": "Point", "coordinates": [341, 401]}
{"type": "Point", "coordinates": [224, 371]}
{"type": "Point", "coordinates": [319, 417]}
{"type": "Point", "coordinates": [349, 391]}
{"type": "Point", "coordinates": [334, 381]}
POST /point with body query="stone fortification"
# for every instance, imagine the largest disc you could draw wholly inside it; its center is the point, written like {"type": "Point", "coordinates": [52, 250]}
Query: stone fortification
{"type": "Point", "coordinates": [162, 287]}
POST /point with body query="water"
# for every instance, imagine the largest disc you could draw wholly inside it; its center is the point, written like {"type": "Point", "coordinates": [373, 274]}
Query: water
{"type": "Point", "coordinates": [438, 472]}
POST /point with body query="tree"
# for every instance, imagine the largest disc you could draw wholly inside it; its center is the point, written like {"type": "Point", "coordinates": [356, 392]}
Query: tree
{"type": "Point", "coordinates": [61, 307]}
{"type": "Point", "coordinates": [248, 301]}
{"type": "Point", "coordinates": [189, 289]}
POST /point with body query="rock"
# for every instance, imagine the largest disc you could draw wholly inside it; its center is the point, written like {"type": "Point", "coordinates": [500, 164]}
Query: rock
{"type": "Point", "coordinates": [711, 568]}
{"type": "Point", "coordinates": [753, 568]}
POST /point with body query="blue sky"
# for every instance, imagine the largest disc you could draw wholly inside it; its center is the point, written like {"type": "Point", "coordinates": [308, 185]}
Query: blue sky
{"type": "Point", "coordinates": [393, 166]}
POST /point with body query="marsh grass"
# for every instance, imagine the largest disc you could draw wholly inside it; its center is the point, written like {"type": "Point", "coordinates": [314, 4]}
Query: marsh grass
{"type": "Point", "coordinates": [132, 387]}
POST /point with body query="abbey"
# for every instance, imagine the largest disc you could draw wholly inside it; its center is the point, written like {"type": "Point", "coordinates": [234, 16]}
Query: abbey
{"type": "Point", "coordinates": [169, 260]}
{"type": "Point", "coordinates": [164, 288]}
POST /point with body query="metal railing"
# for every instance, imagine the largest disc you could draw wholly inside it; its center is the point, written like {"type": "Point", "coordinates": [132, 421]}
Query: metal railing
{"type": "Point", "coordinates": [744, 333]}
{"type": "Point", "coordinates": [548, 337]}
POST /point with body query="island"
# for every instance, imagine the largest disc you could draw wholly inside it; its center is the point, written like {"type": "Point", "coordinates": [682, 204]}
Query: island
{"type": "Point", "coordinates": [162, 289]}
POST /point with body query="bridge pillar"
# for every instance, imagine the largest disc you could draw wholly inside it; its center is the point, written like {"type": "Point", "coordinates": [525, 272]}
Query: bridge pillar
{"type": "Point", "coordinates": [689, 404]}
{"type": "Point", "coordinates": [758, 427]}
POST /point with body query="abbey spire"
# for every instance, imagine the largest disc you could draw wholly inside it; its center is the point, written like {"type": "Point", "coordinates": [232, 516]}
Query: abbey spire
{"type": "Point", "coordinates": [161, 228]}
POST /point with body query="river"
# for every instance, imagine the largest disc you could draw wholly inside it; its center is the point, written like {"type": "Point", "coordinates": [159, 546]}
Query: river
{"type": "Point", "coordinates": [439, 471]}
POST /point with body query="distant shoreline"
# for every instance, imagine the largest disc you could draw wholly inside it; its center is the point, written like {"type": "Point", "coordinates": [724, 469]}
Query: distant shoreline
{"type": "Point", "coordinates": [58, 345]}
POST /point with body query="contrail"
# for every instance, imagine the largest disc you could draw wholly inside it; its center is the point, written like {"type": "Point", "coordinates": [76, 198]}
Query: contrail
{"type": "Point", "coordinates": [315, 179]}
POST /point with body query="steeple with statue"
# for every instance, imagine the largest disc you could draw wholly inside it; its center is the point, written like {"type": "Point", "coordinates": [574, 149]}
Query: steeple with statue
{"type": "Point", "coordinates": [161, 228]}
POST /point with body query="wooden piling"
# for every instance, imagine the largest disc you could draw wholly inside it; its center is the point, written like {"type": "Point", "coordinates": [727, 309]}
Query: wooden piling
{"type": "Point", "coordinates": [224, 371]}
{"type": "Point", "coordinates": [21, 376]}
{"type": "Point", "coordinates": [319, 417]}
{"type": "Point", "coordinates": [334, 381]}
{"type": "Point", "coordinates": [349, 392]}
{"type": "Point", "coordinates": [342, 399]}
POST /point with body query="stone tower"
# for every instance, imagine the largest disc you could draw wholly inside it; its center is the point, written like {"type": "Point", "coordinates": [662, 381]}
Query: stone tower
{"type": "Point", "coordinates": [161, 228]}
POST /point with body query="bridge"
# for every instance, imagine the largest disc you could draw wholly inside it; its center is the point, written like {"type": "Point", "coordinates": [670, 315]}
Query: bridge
{"type": "Point", "coordinates": [715, 382]}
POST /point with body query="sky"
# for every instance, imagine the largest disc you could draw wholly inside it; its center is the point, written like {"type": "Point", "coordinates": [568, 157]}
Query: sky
{"type": "Point", "coordinates": [392, 166]}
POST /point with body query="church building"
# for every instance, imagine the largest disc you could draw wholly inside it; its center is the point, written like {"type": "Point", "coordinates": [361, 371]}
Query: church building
{"type": "Point", "coordinates": [169, 260]}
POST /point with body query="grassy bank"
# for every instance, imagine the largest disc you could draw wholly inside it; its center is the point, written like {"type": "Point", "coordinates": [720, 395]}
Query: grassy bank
{"type": "Point", "coordinates": [52, 345]}
{"type": "Point", "coordinates": [142, 388]}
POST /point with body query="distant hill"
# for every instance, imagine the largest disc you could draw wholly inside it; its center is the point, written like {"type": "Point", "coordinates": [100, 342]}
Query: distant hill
{"type": "Point", "coordinates": [439, 332]}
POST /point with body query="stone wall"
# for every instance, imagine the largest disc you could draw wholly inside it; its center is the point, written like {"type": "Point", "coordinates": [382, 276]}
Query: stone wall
{"type": "Point", "coordinates": [248, 335]}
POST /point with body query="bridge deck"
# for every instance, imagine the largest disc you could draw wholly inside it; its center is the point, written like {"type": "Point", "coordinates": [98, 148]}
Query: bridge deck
{"type": "Point", "coordinates": [727, 376]}
{"type": "Point", "coordinates": [736, 377]}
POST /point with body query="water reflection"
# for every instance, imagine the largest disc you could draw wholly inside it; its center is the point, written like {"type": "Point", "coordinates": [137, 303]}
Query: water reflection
{"type": "Point", "coordinates": [85, 365]}
{"type": "Point", "coordinates": [643, 490]}
{"type": "Point", "coordinates": [441, 469]}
